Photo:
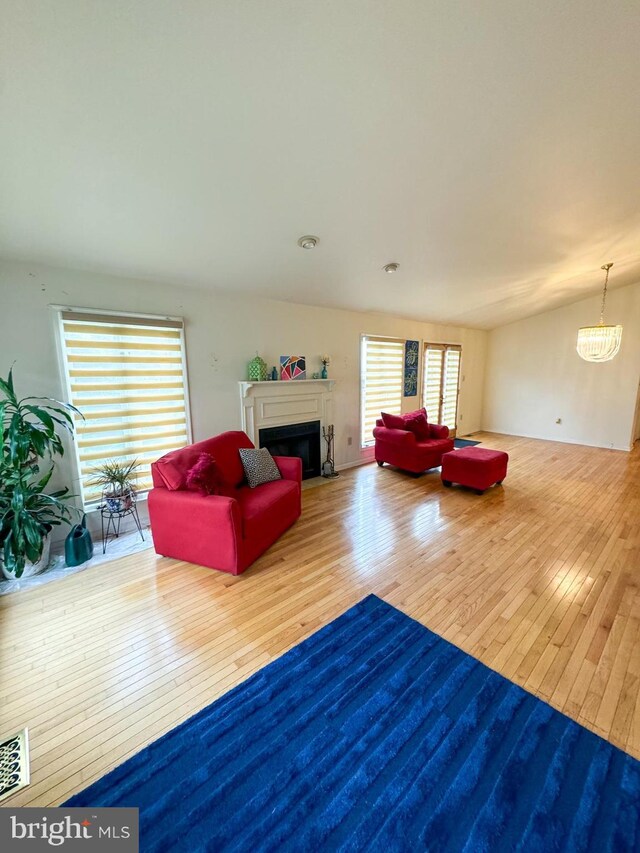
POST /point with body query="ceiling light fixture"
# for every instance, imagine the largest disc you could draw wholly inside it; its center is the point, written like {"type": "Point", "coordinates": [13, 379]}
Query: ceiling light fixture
{"type": "Point", "coordinates": [600, 343]}
{"type": "Point", "coordinates": [308, 242]}
{"type": "Point", "coordinates": [391, 267]}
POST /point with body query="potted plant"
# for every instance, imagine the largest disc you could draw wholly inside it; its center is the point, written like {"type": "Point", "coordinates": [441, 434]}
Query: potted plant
{"type": "Point", "coordinates": [117, 481]}
{"type": "Point", "coordinates": [27, 517]}
{"type": "Point", "coordinates": [30, 434]}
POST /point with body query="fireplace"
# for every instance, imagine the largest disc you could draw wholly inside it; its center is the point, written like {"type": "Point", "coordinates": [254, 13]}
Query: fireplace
{"type": "Point", "coordinates": [301, 440]}
{"type": "Point", "coordinates": [287, 417]}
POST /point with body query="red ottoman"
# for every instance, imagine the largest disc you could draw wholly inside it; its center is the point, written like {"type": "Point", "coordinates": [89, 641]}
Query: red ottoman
{"type": "Point", "coordinates": [476, 467]}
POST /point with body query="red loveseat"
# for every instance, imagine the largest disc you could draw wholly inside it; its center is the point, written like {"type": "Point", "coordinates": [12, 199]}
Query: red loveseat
{"type": "Point", "coordinates": [402, 448]}
{"type": "Point", "coordinates": [223, 531]}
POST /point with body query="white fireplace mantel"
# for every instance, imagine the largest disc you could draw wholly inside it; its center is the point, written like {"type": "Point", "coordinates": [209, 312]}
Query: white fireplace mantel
{"type": "Point", "coordinates": [283, 402]}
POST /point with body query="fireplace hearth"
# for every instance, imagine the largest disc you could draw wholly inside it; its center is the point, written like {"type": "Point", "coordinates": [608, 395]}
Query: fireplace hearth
{"type": "Point", "coordinates": [301, 440]}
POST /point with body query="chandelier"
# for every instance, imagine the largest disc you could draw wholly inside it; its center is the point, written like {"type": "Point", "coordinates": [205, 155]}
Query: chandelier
{"type": "Point", "coordinates": [600, 343]}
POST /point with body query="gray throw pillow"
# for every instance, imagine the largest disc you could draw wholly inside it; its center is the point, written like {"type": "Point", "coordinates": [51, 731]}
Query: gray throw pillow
{"type": "Point", "coordinates": [259, 466]}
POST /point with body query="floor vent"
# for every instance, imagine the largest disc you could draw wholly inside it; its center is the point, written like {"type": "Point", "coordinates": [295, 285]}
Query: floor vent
{"type": "Point", "coordinates": [14, 764]}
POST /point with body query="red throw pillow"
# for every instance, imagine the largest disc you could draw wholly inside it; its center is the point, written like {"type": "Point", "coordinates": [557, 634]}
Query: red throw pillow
{"type": "Point", "coordinates": [204, 476]}
{"type": "Point", "coordinates": [417, 423]}
{"type": "Point", "coordinates": [393, 421]}
{"type": "Point", "coordinates": [421, 411]}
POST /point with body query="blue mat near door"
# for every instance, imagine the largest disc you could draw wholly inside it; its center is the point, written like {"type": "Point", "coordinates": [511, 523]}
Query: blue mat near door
{"type": "Point", "coordinates": [464, 442]}
{"type": "Point", "coordinates": [376, 734]}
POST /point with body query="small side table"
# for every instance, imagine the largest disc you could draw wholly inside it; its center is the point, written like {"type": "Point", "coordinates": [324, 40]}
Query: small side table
{"type": "Point", "coordinates": [114, 519]}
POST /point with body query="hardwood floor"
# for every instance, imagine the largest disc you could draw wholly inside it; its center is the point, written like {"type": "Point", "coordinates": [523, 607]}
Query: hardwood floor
{"type": "Point", "coordinates": [538, 579]}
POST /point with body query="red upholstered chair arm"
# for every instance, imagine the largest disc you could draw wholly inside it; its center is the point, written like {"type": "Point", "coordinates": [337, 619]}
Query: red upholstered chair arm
{"type": "Point", "coordinates": [290, 467]}
{"type": "Point", "coordinates": [201, 529]}
{"type": "Point", "coordinates": [379, 422]}
{"type": "Point", "coordinates": [196, 511]}
{"type": "Point", "coordinates": [438, 431]}
{"type": "Point", "coordinates": [395, 436]}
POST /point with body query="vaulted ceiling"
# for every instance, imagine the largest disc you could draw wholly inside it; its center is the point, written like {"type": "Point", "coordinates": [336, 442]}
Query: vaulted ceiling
{"type": "Point", "coordinates": [490, 148]}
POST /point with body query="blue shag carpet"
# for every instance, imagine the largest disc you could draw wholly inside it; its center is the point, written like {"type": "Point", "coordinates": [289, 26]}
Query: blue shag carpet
{"type": "Point", "coordinates": [464, 442]}
{"type": "Point", "coordinates": [376, 734]}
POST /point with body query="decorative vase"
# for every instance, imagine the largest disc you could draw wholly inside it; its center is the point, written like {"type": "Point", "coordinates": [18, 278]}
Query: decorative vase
{"type": "Point", "coordinates": [323, 372]}
{"type": "Point", "coordinates": [118, 503]}
{"type": "Point", "coordinates": [274, 374]}
{"type": "Point", "coordinates": [257, 369]}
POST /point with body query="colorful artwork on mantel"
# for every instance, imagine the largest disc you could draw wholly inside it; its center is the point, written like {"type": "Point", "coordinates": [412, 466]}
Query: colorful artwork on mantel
{"type": "Point", "coordinates": [293, 367]}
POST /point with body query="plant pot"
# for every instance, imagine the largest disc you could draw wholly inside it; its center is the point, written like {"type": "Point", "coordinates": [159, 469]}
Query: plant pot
{"type": "Point", "coordinates": [30, 568]}
{"type": "Point", "coordinates": [118, 503]}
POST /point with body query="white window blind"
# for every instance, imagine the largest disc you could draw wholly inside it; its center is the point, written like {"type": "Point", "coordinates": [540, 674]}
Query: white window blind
{"type": "Point", "coordinates": [381, 381]}
{"type": "Point", "coordinates": [127, 377]}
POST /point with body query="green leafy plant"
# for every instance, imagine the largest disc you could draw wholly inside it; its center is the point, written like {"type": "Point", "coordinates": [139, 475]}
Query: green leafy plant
{"type": "Point", "coordinates": [29, 426]}
{"type": "Point", "coordinates": [115, 477]}
{"type": "Point", "coordinates": [31, 431]}
{"type": "Point", "coordinates": [27, 515]}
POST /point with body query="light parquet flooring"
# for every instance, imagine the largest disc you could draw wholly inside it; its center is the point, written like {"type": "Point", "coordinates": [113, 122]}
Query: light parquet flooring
{"type": "Point", "coordinates": [538, 579]}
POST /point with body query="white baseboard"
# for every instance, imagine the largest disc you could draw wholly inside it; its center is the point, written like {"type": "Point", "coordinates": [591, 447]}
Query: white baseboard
{"type": "Point", "coordinates": [356, 464]}
{"type": "Point", "coordinates": [560, 440]}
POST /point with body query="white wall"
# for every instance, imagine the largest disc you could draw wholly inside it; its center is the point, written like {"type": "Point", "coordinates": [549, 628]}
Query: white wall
{"type": "Point", "coordinates": [223, 332]}
{"type": "Point", "coordinates": [534, 376]}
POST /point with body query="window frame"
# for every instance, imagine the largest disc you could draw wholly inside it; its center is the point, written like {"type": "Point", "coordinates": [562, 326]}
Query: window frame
{"type": "Point", "coordinates": [65, 377]}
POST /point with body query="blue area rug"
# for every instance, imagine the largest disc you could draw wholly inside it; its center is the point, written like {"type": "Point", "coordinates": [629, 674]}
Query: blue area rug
{"type": "Point", "coordinates": [376, 734]}
{"type": "Point", "coordinates": [464, 442]}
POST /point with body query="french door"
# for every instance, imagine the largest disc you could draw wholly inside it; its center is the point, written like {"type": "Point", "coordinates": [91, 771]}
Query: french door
{"type": "Point", "coordinates": [441, 381]}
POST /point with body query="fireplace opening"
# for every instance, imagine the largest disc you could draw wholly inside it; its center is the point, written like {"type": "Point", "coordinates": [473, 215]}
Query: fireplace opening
{"type": "Point", "coordinates": [301, 440]}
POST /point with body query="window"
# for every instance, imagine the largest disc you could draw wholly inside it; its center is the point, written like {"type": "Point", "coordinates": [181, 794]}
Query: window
{"type": "Point", "coordinates": [382, 363]}
{"type": "Point", "coordinates": [127, 377]}
{"type": "Point", "coordinates": [440, 383]}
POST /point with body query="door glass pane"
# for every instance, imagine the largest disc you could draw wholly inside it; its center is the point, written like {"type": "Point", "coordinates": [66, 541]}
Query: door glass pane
{"type": "Point", "coordinates": [432, 385]}
{"type": "Point", "coordinates": [450, 388]}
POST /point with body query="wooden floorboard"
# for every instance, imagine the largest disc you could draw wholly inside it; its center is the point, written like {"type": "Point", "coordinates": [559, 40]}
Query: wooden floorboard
{"type": "Point", "coordinates": [538, 579]}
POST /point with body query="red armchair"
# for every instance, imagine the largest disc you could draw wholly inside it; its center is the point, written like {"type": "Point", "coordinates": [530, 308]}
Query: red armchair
{"type": "Point", "coordinates": [402, 448]}
{"type": "Point", "coordinates": [224, 531]}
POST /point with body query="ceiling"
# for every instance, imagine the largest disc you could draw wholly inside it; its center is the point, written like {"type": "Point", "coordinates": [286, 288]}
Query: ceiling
{"type": "Point", "coordinates": [488, 146]}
